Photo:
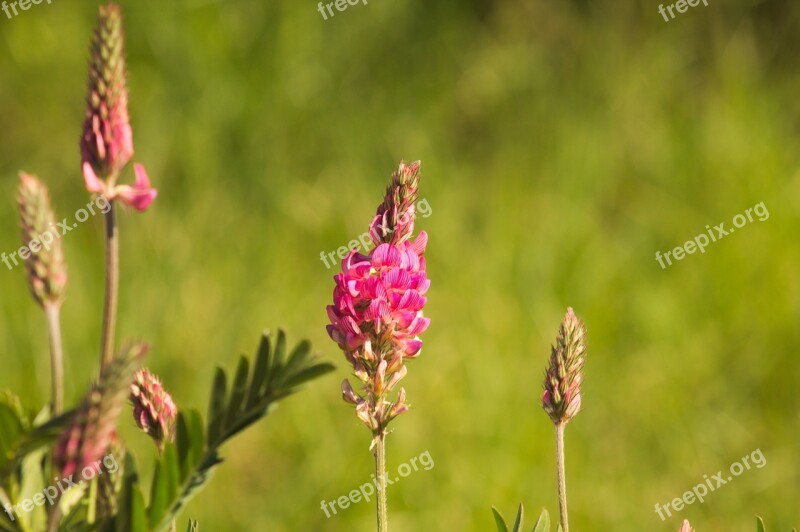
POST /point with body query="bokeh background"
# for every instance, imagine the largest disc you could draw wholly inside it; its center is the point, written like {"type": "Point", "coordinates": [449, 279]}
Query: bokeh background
{"type": "Point", "coordinates": [562, 144]}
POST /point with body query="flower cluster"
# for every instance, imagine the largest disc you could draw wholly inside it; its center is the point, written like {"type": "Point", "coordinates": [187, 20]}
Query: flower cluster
{"type": "Point", "coordinates": [376, 316]}
{"type": "Point", "coordinates": [92, 428]}
{"type": "Point", "coordinates": [107, 140]}
{"type": "Point", "coordinates": [153, 408]}
{"type": "Point", "coordinates": [47, 271]}
{"type": "Point", "coordinates": [561, 399]}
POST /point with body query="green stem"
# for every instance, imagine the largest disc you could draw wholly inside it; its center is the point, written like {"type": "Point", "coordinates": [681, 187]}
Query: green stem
{"type": "Point", "coordinates": [112, 288]}
{"type": "Point", "coordinates": [380, 474]}
{"type": "Point", "coordinates": [52, 312]}
{"type": "Point", "coordinates": [55, 518]}
{"type": "Point", "coordinates": [562, 477]}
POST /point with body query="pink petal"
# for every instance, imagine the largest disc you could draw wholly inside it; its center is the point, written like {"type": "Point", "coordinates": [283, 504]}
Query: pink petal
{"type": "Point", "coordinates": [93, 183]}
{"type": "Point", "coordinates": [141, 195]}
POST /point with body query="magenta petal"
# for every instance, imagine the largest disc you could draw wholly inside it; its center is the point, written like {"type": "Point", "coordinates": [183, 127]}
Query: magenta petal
{"type": "Point", "coordinates": [412, 348]}
{"type": "Point", "coordinates": [141, 195]}
{"type": "Point", "coordinates": [93, 183]}
{"type": "Point", "coordinates": [420, 243]}
{"type": "Point", "coordinates": [142, 179]}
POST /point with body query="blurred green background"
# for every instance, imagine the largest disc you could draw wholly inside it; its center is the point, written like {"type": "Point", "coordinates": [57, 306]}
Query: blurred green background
{"type": "Point", "coordinates": [562, 143]}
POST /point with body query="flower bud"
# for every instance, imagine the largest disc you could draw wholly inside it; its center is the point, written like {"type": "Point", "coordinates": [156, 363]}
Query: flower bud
{"type": "Point", "coordinates": [561, 399]}
{"type": "Point", "coordinates": [153, 408]}
{"type": "Point", "coordinates": [47, 271]}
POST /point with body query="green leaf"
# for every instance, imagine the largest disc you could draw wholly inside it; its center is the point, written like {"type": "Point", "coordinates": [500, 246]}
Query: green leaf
{"type": "Point", "coordinates": [260, 370]}
{"type": "Point", "coordinates": [216, 408]}
{"type": "Point", "coordinates": [183, 444]}
{"type": "Point", "coordinates": [132, 516]}
{"type": "Point", "coordinates": [499, 521]}
{"type": "Point", "coordinates": [195, 423]}
{"type": "Point", "coordinates": [238, 390]}
{"type": "Point", "coordinates": [520, 518]}
{"type": "Point", "coordinates": [188, 464]}
{"type": "Point", "coordinates": [308, 374]}
{"type": "Point", "coordinates": [278, 355]}
{"type": "Point", "coordinates": [298, 357]}
{"type": "Point", "coordinates": [192, 526]}
{"type": "Point", "coordinates": [11, 433]}
{"type": "Point", "coordinates": [543, 523]}
{"type": "Point", "coordinates": [158, 494]}
{"type": "Point", "coordinates": [760, 524]}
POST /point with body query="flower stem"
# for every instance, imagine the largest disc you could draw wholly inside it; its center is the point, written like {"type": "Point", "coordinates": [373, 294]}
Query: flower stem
{"type": "Point", "coordinates": [52, 312]}
{"type": "Point", "coordinates": [112, 287]}
{"type": "Point", "coordinates": [562, 477]}
{"type": "Point", "coordinates": [380, 474]}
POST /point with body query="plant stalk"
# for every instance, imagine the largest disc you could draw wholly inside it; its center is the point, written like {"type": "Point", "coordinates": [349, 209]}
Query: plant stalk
{"type": "Point", "coordinates": [380, 474]}
{"type": "Point", "coordinates": [562, 477]}
{"type": "Point", "coordinates": [112, 288]}
{"type": "Point", "coordinates": [53, 313]}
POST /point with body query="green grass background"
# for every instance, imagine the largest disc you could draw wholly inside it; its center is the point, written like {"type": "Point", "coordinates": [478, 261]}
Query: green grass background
{"type": "Point", "coordinates": [562, 143]}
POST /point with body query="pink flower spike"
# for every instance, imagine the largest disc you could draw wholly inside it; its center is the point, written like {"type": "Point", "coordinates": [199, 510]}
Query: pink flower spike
{"type": "Point", "coordinates": [93, 183]}
{"type": "Point", "coordinates": [141, 194]}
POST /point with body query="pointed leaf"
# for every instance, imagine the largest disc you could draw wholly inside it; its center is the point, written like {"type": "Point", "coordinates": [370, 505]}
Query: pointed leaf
{"type": "Point", "coordinates": [159, 498]}
{"type": "Point", "coordinates": [760, 524]}
{"type": "Point", "coordinates": [519, 519]}
{"type": "Point", "coordinates": [216, 407]}
{"type": "Point", "coordinates": [499, 521]}
{"type": "Point", "coordinates": [297, 358]}
{"type": "Point", "coordinates": [238, 390]}
{"type": "Point", "coordinates": [280, 352]}
{"type": "Point", "coordinates": [543, 523]}
{"type": "Point", "coordinates": [307, 374]}
{"type": "Point", "coordinates": [183, 445]}
{"type": "Point", "coordinates": [260, 370]}
{"type": "Point", "coordinates": [196, 438]}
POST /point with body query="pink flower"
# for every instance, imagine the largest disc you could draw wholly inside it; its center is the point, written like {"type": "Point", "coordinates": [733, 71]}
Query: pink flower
{"type": "Point", "coordinates": [381, 292]}
{"type": "Point", "coordinates": [139, 196]}
{"type": "Point", "coordinates": [107, 140]}
{"type": "Point", "coordinates": [376, 317]}
{"type": "Point", "coordinates": [153, 408]}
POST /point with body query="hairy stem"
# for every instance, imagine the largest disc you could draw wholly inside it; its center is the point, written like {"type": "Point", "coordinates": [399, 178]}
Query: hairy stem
{"type": "Point", "coordinates": [380, 474]}
{"type": "Point", "coordinates": [53, 313]}
{"type": "Point", "coordinates": [112, 288]}
{"type": "Point", "coordinates": [562, 477]}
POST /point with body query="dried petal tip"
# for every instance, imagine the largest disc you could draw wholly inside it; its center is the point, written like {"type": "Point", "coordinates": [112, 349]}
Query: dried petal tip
{"type": "Point", "coordinates": [153, 408]}
{"type": "Point", "coordinates": [686, 527]}
{"type": "Point", "coordinates": [394, 219]}
{"type": "Point", "coordinates": [44, 258]}
{"type": "Point", "coordinates": [561, 399]}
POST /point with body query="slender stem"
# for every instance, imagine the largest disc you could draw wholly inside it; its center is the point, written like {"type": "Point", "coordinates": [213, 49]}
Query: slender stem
{"type": "Point", "coordinates": [53, 313]}
{"type": "Point", "coordinates": [112, 288]}
{"type": "Point", "coordinates": [380, 474]}
{"type": "Point", "coordinates": [562, 476]}
{"type": "Point", "coordinates": [54, 518]}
